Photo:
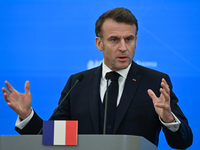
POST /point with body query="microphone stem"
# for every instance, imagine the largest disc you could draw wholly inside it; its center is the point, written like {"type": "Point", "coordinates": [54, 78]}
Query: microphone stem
{"type": "Point", "coordinates": [105, 112]}
{"type": "Point", "coordinates": [60, 103]}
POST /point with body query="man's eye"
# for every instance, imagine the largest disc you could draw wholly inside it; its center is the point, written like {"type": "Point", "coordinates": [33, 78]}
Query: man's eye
{"type": "Point", "coordinates": [129, 39]}
{"type": "Point", "coordinates": [114, 40]}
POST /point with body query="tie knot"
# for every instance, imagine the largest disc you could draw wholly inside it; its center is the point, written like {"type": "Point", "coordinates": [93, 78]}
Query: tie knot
{"type": "Point", "coordinates": [112, 75]}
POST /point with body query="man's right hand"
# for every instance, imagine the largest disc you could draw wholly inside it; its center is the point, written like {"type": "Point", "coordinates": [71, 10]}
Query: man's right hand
{"type": "Point", "coordinates": [19, 102]}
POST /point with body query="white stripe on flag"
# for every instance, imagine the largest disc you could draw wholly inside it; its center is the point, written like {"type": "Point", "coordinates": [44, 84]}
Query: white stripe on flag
{"type": "Point", "coordinates": [59, 132]}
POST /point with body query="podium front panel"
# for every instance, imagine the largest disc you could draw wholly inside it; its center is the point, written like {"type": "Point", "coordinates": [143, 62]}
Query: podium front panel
{"type": "Point", "coordinates": [85, 142]}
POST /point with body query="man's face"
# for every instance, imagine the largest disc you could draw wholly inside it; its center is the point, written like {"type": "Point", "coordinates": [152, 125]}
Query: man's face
{"type": "Point", "coordinates": [118, 44]}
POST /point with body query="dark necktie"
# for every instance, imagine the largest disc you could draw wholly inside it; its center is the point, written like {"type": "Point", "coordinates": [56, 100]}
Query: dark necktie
{"type": "Point", "coordinates": [112, 91]}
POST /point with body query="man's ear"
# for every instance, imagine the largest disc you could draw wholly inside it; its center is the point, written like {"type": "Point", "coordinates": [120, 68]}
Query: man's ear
{"type": "Point", "coordinates": [99, 43]}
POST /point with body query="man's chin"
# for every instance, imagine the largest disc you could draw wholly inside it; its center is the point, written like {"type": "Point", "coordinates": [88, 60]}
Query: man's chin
{"type": "Point", "coordinates": [123, 66]}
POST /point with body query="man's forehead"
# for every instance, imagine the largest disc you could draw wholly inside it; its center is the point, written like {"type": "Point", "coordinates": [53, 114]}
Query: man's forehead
{"type": "Point", "coordinates": [113, 28]}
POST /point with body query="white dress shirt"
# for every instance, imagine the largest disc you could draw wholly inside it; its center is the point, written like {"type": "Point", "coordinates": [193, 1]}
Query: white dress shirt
{"type": "Point", "coordinates": [121, 81]}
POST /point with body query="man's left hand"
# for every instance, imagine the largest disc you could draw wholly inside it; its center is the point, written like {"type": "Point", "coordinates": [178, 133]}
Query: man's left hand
{"type": "Point", "coordinates": [162, 103]}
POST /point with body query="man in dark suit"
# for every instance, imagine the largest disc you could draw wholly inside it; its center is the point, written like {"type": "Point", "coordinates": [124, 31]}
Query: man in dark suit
{"type": "Point", "coordinates": [145, 102]}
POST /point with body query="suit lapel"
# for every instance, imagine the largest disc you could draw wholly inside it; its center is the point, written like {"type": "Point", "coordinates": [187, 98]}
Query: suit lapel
{"type": "Point", "coordinates": [130, 87]}
{"type": "Point", "coordinates": [94, 95]}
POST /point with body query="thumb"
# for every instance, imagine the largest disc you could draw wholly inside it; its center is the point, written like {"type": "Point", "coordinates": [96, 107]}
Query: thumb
{"type": "Point", "coordinates": [151, 94]}
{"type": "Point", "coordinates": [27, 87]}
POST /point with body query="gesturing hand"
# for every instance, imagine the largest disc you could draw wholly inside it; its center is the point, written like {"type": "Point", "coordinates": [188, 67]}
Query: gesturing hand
{"type": "Point", "coordinates": [19, 102]}
{"type": "Point", "coordinates": [162, 103]}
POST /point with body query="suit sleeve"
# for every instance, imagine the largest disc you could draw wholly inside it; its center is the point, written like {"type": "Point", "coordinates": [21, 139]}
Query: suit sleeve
{"type": "Point", "coordinates": [33, 126]}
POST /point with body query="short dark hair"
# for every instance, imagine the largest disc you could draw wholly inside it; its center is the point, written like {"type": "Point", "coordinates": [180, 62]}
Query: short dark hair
{"type": "Point", "coordinates": [119, 15]}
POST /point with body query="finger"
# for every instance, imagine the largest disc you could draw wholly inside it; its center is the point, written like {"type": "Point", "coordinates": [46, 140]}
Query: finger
{"type": "Point", "coordinates": [27, 87]}
{"type": "Point", "coordinates": [165, 90]}
{"type": "Point", "coordinates": [161, 105]}
{"type": "Point", "coordinates": [164, 96]}
{"type": "Point", "coordinates": [164, 83]}
{"type": "Point", "coordinates": [5, 91]}
{"type": "Point", "coordinates": [9, 87]}
{"type": "Point", "coordinates": [163, 80]}
{"type": "Point", "coordinates": [10, 105]}
{"type": "Point", "coordinates": [151, 94]}
{"type": "Point", "coordinates": [6, 94]}
{"type": "Point", "coordinates": [6, 97]}
{"type": "Point", "coordinates": [165, 86]}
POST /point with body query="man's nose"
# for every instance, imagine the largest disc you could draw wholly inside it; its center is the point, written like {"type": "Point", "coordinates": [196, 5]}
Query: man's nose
{"type": "Point", "coordinates": [122, 46]}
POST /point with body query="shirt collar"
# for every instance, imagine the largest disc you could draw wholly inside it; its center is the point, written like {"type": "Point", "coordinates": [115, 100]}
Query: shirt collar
{"type": "Point", "coordinates": [123, 72]}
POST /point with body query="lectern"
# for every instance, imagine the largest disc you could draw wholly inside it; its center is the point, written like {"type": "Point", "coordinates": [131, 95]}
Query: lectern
{"type": "Point", "coordinates": [85, 142]}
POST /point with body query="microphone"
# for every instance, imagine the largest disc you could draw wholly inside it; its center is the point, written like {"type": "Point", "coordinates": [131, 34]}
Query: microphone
{"type": "Point", "coordinates": [106, 104]}
{"type": "Point", "coordinates": [79, 79]}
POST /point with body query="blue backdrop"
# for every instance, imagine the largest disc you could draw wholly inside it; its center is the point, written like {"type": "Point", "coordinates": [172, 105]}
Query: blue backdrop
{"type": "Point", "coordinates": [45, 41]}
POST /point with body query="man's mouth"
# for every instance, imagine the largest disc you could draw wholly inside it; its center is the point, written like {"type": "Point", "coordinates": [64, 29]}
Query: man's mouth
{"type": "Point", "coordinates": [123, 58]}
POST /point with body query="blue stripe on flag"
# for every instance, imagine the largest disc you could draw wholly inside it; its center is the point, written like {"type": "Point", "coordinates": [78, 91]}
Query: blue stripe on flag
{"type": "Point", "coordinates": [48, 132]}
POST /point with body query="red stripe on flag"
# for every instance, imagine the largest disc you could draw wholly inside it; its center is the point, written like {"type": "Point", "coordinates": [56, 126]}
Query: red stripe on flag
{"type": "Point", "coordinates": [71, 133]}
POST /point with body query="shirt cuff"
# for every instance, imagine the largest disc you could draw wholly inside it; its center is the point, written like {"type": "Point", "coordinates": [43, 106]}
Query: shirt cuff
{"type": "Point", "coordinates": [173, 126]}
{"type": "Point", "coordinates": [22, 123]}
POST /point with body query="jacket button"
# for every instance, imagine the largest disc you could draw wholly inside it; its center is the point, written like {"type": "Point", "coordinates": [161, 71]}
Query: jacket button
{"type": "Point", "coordinates": [109, 126]}
{"type": "Point", "coordinates": [183, 134]}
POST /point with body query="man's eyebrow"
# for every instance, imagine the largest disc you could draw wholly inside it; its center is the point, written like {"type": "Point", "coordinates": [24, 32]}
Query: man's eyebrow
{"type": "Point", "coordinates": [116, 37]}
{"type": "Point", "coordinates": [130, 36]}
{"type": "Point", "coordinates": [124, 36]}
{"type": "Point", "coordinates": [111, 37]}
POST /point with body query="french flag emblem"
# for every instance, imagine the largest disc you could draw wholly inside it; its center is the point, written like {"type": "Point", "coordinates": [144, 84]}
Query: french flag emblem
{"type": "Point", "coordinates": [59, 132]}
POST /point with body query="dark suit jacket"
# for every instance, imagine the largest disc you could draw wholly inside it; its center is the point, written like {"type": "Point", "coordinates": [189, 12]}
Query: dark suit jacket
{"type": "Point", "coordinates": [135, 114]}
